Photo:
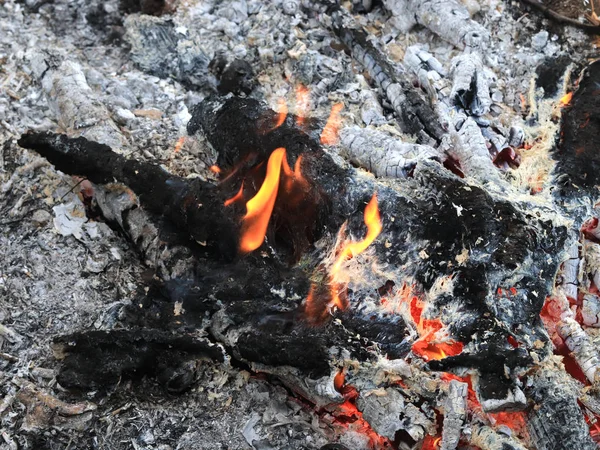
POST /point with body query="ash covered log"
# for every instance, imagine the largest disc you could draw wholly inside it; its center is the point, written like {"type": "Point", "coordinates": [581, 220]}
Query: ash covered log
{"type": "Point", "coordinates": [449, 19]}
{"type": "Point", "coordinates": [382, 154]}
{"type": "Point", "coordinates": [557, 421]}
{"type": "Point", "coordinates": [415, 112]}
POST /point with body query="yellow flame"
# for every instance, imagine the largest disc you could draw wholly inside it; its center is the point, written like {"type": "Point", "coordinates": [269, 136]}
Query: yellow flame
{"type": "Point", "coordinates": [260, 207]}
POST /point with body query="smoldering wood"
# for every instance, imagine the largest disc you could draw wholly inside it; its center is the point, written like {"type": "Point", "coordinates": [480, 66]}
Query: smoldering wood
{"type": "Point", "coordinates": [578, 164]}
{"type": "Point", "coordinates": [382, 154]}
{"type": "Point", "coordinates": [222, 121]}
{"type": "Point", "coordinates": [487, 438]}
{"type": "Point", "coordinates": [415, 112]}
{"type": "Point", "coordinates": [581, 346]}
{"type": "Point", "coordinates": [569, 272]}
{"type": "Point", "coordinates": [470, 149]}
{"type": "Point", "coordinates": [590, 310]}
{"type": "Point", "coordinates": [450, 20]}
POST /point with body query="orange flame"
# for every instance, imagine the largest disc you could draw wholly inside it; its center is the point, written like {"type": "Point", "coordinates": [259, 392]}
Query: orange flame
{"type": "Point", "coordinates": [302, 104]}
{"type": "Point", "coordinates": [566, 99]}
{"type": "Point", "coordinates": [282, 112]}
{"type": "Point", "coordinates": [374, 227]}
{"type": "Point", "coordinates": [236, 197]}
{"type": "Point", "coordinates": [260, 207]}
{"type": "Point", "coordinates": [319, 302]}
{"type": "Point", "coordinates": [215, 169]}
{"type": "Point", "coordinates": [330, 134]}
{"type": "Point", "coordinates": [179, 144]}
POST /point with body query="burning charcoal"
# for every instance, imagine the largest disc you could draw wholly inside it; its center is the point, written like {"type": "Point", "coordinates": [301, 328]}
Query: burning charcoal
{"type": "Point", "coordinates": [470, 88]}
{"type": "Point", "coordinates": [557, 421]}
{"type": "Point", "coordinates": [130, 353]}
{"type": "Point", "coordinates": [455, 412]}
{"type": "Point", "coordinates": [382, 154]}
{"type": "Point", "coordinates": [448, 19]}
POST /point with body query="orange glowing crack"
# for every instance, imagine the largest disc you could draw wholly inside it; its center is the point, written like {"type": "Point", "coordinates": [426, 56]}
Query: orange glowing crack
{"type": "Point", "coordinates": [215, 169]}
{"type": "Point", "coordinates": [260, 207]}
{"type": "Point", "coordinates": [236, 197]}
{"type": "Point", "coordinates": [374, 227]}
{"type": "Point", "coordinates": [330, 134]}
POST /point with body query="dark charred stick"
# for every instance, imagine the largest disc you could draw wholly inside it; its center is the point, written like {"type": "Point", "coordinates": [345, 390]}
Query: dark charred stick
{"type": "Point", "coordinates": [415, 113]}
{"type": "Point", "coordinates": [588, 28]}
{"type": "Point", "coordinates": [193, 205]}
{"type": "Point", "coordinates": [98, 359]}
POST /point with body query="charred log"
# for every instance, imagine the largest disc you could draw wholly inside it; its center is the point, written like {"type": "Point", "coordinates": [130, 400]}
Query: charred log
{"type": "Point", "coordinates": [415, 112]}
{"type": "Point", "coordinates": [131, 353]}
{"type": "Point", "coordinates": [578, 163]}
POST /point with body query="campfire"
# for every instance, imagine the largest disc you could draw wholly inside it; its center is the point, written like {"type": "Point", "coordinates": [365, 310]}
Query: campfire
{"type": "Point", "coordinates": [300, 224]}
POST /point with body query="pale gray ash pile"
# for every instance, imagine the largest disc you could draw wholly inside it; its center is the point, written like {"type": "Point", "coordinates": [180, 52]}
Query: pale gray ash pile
{"type": "Point", "coordinates": [295, 224]}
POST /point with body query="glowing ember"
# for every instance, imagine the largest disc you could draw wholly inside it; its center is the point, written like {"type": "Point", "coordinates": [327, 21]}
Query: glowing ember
{"type": "Point", "coordinates": [260, 207]}
{"type": "Point", "coordinates": [179, 144]}
{"type": "Point", "coordinates": [566, 99]}
{"type": "Point", "coordinates": [302, 104]}
{"type": "Point", "coordinates": [431, 442]}
{"type": "Point", "coordinates": [516, 421]}
{"type": "Point", "coordinates": [237, 197]}
{"type": "Point", "coordinates": [215, 169]}
{"type": "Point", "coordinates": [330, 134]}
{"type": "Point", "coordinates": [349, 416]}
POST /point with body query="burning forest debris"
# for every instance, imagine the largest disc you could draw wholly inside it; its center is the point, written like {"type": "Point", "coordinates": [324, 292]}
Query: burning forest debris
{"type": "Point", "coordinates": [294, 224]}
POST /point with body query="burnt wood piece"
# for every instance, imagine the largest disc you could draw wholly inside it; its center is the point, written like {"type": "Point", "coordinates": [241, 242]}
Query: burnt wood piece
{"type": "Point", "coordinates": [578, 160]}
{"type": "Point", "coordinates": [195, 206]}
{"type": "Point", "coordinates": [415, 112]}
{"type": "Point", "coordinates": [99, 359]}
{"type": "Point", "coordinates": [421, 218]}
{"type": "Point", "coordinates": [557, 422]}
